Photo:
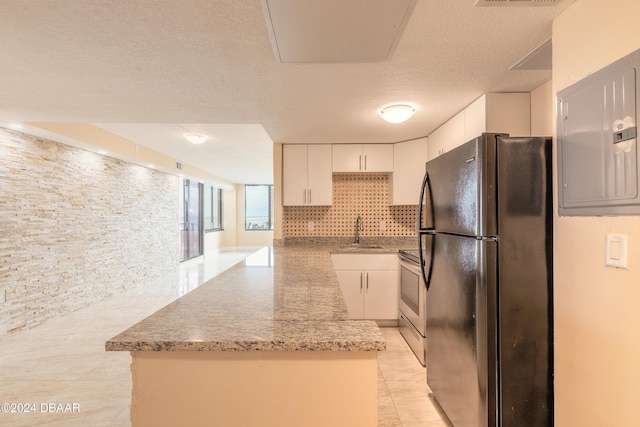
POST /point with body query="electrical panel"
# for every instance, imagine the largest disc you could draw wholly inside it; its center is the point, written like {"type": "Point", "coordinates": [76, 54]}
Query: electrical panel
{"type": "Point", "coordinates": [597, 142]}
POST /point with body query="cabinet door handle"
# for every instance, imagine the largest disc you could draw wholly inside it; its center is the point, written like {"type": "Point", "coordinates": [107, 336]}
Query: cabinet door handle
{"type": "Point", "coordinates": [365, 162]}
{"type": "Point", "coordinates": [309, 196]}
{"type": "Point", "coordinates": [361, 282]}
{"type": "Point", "coordinates": [360, 162]}
{"type": "Point", "coordinates": [367, 281]}
{"type": "Point", "coordinates": [304, 195]}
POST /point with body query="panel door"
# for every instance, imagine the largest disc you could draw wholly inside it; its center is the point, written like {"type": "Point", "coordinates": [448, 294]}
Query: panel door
{"type": "Point", "coordinates": [409, 159]}
{"type": "Point", "coordinates": [377, 158]}
{"type": "Point", "coordinates": [508, 113]}
{"type": "Point", "coordinates": [319, 175]}
{"type": "Point", "coordinates": [347, 157]}
{"type": "Point", "coordinates": [447, 136]}
{"type": "Point", "coordinates": [352, 286]}
{"type": "Point", "coordinates": [381, 301]}
{"type": "Point", "coordinates": [294, 174]}
{"type": "Point", "coordinates": [475, 119]}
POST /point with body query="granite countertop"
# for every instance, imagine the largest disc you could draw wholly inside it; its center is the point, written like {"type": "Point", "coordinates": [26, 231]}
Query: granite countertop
{"type": "Point", "coordinates": [279, 299]}
{"type": "Point", "coordinates": [339, 245]}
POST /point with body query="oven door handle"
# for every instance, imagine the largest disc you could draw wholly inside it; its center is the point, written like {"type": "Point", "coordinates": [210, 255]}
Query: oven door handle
{"type": "Point", "coordinates": [410, 265]}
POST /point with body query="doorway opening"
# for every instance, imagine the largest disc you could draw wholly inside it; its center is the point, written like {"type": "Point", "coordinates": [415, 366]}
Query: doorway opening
{"type": "Point", "coordinates": [191, 236]}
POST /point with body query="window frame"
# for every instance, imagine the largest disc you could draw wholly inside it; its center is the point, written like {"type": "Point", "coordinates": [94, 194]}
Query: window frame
{"type": "Point", "coordinates": [270, 207]}
{"type": "Point", "coordinates": [216, 194]}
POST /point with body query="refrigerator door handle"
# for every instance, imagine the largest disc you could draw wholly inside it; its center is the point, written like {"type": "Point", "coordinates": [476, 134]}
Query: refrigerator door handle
{"type": "Point", "coordinates": [421, 257]}
{"type": "Point", "coordinates": [425, 269]}
{"type": "Point", "coordinates": [426, 188]}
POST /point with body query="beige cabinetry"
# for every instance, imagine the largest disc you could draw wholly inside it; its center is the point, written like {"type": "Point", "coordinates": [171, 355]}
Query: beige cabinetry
{"type": "Point", "coordinates": [369, 284]}
{"type": "Point", "coordinates": [306, 175]}
{"type": "Point", "coordinates": [493, 112]}
{"type": "Point", "coordinates": [409, 160]}
{"type": "Point", "coordinates": [499, 113]}
{"type": "Point", "coordinates": [363, 157]}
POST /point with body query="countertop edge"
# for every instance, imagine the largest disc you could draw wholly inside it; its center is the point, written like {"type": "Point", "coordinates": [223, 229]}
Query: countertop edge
{"type": "Point", "coordinates": [332, 335]}
{"type": "Point", "coordinates": [256, 346]}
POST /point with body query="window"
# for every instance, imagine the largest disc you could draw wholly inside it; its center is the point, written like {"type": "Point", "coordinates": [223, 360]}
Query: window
{"type": "Point", "coordinates": [258, 203]}
{"type": "Point", "coordinates": [212, 208]}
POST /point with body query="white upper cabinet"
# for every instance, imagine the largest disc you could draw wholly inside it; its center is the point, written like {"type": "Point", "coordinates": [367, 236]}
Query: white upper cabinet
{"type": "Point", "coordinates": [475, 123]}
{"type": "Point", "coordinates": [294, 174]}
{"type": "Point", "coordinates": [377, 157]}
{"type": "Point", "coordinates": [448, 136]}
{"type": "Point", "coordinates": [409, 160]}
{"type": "Point", "coordinates": [306, 175]}
{"type": "Point", "coordinates": [347, 157]}
{"type": "Point", "coordinates": [499, 113]}
{"type": "Point", "coordinates": [493, 112]}
{"type": "Point", "coordinates": [319, 176]}
{"type": "Point", "coordinates": [363, 157]}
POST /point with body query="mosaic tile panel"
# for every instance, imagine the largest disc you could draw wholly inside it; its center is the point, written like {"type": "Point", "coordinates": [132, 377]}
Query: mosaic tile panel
{"type": "Point", "coordinates": [76, 228]}
{"type": "Point", "coordinates": [354, 195]}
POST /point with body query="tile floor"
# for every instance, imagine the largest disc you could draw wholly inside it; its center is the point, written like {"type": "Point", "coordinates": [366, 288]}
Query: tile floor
{"type": "Point", "coordinates": [61, 367]}
{"type": "Point", "coordinates": [403, 394]}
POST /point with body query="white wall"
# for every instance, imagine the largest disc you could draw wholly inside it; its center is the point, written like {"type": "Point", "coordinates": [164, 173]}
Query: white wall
{"type": "Point", "coordinates": [597, 308]}
{"type": "Point", "coordinates": [542, 110]}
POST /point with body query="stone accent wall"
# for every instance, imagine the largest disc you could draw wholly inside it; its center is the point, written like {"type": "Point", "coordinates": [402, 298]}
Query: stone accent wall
{"type": "Point", "coordinates": [77, 227]}
{"type": "Point", "coordinates": [365, 195]}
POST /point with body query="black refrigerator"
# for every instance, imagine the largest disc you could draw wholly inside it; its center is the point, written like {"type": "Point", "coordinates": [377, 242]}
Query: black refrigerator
{"type": "Point", "coordinates": [485, 238]}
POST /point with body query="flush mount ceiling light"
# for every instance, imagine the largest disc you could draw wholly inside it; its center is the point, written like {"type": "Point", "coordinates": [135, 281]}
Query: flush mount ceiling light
{"type": "Point", "coordinates": [397, 113]}
{"type": "Point", "coordinates": [195, 138]}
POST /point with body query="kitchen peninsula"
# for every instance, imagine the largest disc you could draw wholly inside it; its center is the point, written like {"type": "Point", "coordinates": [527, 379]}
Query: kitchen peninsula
{"type": "Point", "coordinates": [267, 342]}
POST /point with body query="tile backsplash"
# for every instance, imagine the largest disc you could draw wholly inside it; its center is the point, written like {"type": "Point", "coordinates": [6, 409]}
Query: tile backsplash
{"type": "Point", "coordinates": [354, 195]}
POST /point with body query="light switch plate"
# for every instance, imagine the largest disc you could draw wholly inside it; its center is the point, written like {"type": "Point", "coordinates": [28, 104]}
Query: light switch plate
{"type": "Point", "coordinates": [616, 250]}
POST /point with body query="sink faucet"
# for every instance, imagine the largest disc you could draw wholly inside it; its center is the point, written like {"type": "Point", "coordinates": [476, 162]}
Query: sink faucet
{"type": "Point", "coordinates": [359, 228]}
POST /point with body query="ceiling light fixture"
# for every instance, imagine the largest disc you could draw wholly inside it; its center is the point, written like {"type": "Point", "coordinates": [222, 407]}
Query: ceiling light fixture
{"type": "Point", "coordinates": [195, 138]}
{"type": "Point", "coordinates": [397, 113]}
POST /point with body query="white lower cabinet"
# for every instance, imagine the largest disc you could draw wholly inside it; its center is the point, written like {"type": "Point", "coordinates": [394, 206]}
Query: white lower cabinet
{"type": "Point", "coordinates": [369, 284]}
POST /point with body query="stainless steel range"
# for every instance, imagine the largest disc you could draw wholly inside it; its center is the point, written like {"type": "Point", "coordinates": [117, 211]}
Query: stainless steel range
{"type": "Point", "coordinates": [413, 303]}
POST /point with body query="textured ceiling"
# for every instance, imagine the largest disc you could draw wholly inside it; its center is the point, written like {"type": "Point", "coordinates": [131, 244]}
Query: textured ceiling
{"type": "Point", "coordinates": [210, 62]}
